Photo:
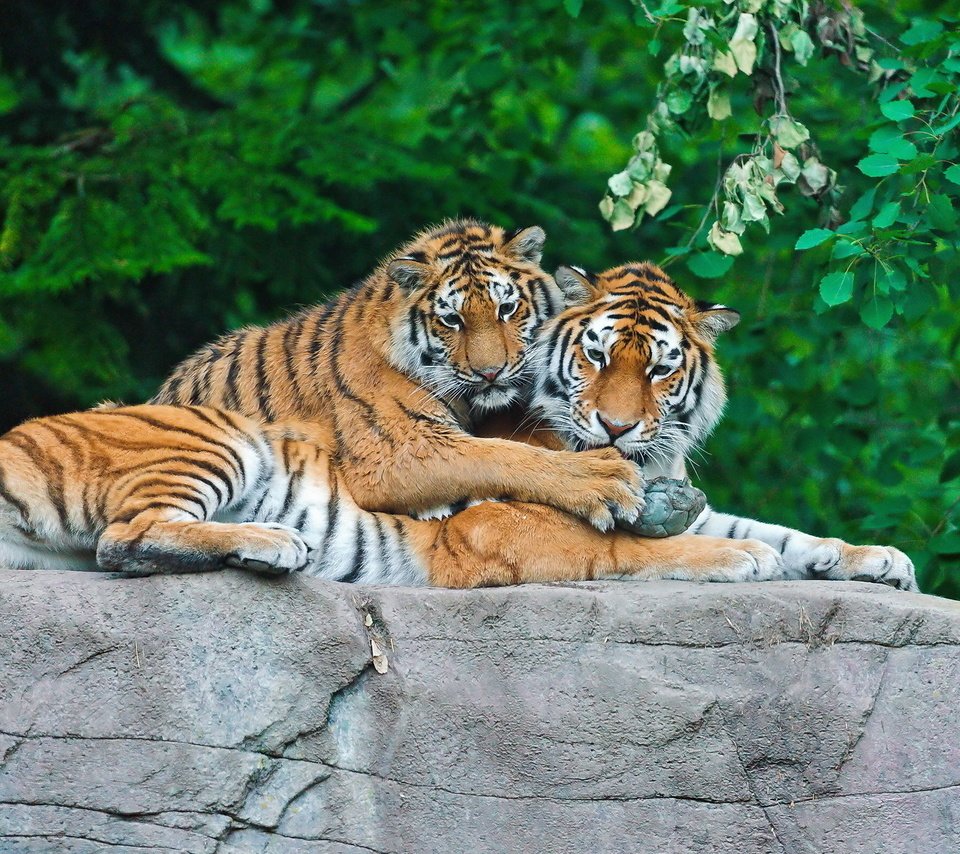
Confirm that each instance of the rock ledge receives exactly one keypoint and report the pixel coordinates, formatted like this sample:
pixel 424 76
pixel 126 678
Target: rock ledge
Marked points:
pixel 233 714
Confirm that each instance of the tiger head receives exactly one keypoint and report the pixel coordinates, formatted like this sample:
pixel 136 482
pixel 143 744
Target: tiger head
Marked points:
pixel 472 298
pixel 630 364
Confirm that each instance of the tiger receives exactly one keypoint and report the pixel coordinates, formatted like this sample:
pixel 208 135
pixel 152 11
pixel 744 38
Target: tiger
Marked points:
pixel 631 366
pixel 395 370
pixel 148 489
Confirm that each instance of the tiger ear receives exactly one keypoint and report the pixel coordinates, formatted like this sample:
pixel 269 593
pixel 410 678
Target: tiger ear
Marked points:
pixel 578 285
pixel 712 318
pixel 409 273
pixel 525 243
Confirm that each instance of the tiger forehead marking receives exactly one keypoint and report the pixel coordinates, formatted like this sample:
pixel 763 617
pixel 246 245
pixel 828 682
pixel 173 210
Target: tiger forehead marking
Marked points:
pixel 630 364
pixel 621 331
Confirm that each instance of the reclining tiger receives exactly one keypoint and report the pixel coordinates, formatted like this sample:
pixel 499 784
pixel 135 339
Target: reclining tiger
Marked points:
pixel 632 367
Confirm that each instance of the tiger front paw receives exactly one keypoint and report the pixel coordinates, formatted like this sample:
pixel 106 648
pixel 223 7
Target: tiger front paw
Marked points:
pixel 719 559
pixel 269 548
pixel 748 560
pixel 839 561
pixel 603 488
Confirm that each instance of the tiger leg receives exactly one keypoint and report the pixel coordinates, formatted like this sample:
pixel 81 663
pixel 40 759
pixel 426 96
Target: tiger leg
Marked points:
pixel 497 543
pixel 152 542
pixel 807 556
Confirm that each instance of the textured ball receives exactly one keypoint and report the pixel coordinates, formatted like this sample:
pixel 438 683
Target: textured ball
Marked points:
pixel 672 507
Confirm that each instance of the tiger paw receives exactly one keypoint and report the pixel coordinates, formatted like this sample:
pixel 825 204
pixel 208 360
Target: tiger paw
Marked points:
pixel 602 488
pixel 269 548
pixel 839 561
pixel 671 507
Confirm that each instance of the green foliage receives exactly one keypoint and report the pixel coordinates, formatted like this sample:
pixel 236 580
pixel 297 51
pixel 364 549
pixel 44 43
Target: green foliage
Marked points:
pixel 168 171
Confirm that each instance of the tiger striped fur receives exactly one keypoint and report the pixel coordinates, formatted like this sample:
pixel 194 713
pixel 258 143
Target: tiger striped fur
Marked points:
pixel 155 489
pixel 632 367
pixel 394 371
pixel 147 489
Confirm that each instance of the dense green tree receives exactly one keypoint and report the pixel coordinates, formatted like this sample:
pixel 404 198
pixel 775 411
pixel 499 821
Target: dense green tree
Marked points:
pixel 168 171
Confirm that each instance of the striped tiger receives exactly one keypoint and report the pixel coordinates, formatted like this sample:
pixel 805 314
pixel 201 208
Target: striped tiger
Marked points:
pixel 145 489
pixel 158 489
pixel 631 366
pixel 395 370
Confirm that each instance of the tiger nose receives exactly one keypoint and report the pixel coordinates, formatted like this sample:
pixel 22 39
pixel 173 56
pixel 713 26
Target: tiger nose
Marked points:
pixel 490 373
pixel 615 428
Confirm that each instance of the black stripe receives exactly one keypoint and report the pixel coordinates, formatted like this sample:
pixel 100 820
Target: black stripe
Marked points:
pixel 289 352
pixel 12 499
pixel 230 396
pixel 167 491
pixel 53 474
pixel 380 554
pixel 333 512
pixel 130 515
pixel 293 485
pixel 263 377
pixel 302 519
pixel 368 412
pixel 359 555
pixel 320 339
pixel 423 417
pixel 173 428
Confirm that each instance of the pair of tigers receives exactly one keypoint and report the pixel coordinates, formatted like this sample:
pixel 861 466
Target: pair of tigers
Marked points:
pixel 315 443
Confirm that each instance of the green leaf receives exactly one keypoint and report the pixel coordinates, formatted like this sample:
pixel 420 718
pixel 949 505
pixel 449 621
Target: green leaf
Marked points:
pixel 953 173
pixel 925 83
pixel 862 206
pixel 922 30
pixel 814 237
pixel 900 148
pixel 897 111
pixel 895 279
pixel 836 288
pixel 876 311
pixel 947 126
pixel 846 249
pixel 887 216
pixel 710 265
pixel 951 468
pixel 573 7
pixel 940 213
pixel 883 136
pixel 918 164
pixel 878 165
pixel 854 228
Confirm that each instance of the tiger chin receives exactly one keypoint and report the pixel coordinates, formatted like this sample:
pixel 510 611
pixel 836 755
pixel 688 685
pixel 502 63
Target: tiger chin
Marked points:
pixel 630 365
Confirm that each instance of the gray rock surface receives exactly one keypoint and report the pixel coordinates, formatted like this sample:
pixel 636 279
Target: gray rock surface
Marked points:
pixel 234 714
